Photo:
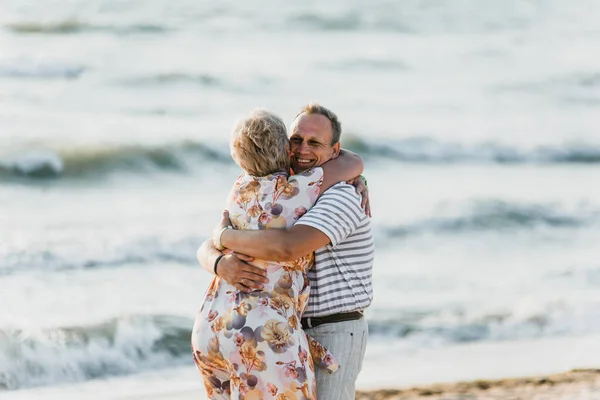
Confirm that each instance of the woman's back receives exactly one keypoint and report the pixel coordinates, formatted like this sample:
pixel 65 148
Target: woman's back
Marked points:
pixel 274 201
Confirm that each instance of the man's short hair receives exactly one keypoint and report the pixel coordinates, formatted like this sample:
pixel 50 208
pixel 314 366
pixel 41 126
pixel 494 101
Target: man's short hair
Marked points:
pixel 336 125
pixel 259 144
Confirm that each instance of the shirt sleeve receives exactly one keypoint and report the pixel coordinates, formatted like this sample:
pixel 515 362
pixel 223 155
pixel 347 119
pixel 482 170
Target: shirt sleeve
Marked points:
pixel 337 213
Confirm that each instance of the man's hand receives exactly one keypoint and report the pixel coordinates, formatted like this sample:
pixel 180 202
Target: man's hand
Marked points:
pixel 235 270
pixel 218 230
pixel 363 191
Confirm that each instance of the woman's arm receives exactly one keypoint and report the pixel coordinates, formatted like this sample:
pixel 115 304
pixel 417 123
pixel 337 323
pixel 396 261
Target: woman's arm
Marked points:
pixel 360 186
pixel 207 254
pixel 346 166
pixel 233 267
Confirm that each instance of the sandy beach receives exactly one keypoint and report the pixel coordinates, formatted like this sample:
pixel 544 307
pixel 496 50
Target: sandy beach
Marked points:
pixel 581 384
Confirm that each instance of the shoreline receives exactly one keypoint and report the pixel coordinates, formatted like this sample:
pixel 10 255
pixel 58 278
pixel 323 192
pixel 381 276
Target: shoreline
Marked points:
pixel 575 384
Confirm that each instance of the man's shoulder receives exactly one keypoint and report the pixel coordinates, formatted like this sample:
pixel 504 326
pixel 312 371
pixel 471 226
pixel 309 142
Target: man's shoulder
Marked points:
pixel 342 200
pixel 343 192
pixel 337 213
pixel 340 188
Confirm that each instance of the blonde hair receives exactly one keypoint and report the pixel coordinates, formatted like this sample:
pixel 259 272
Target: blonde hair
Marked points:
pixel 259 144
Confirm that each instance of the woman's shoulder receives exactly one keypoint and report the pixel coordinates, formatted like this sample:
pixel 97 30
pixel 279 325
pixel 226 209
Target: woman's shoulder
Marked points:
pixel 315 173
pixel 244 179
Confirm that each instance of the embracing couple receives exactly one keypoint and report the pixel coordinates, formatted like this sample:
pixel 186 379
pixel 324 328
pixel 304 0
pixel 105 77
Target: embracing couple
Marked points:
pixel 283 317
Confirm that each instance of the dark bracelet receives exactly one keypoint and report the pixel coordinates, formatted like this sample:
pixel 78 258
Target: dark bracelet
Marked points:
pixel 217 262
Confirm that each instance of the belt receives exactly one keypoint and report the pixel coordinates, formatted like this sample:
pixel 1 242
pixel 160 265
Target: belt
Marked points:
pixel 312 322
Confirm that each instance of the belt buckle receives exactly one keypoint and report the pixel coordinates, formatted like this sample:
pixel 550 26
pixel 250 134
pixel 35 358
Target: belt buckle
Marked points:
pixel 308 322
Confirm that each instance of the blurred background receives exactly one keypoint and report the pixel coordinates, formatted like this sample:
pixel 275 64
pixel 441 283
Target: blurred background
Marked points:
pixel 478 122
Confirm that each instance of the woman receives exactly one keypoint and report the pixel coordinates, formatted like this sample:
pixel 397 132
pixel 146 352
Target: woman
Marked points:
pixel 251 346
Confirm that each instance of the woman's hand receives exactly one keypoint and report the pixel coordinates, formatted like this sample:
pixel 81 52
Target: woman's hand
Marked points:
pixel 235 270
pixel 220 228
pixel 363 191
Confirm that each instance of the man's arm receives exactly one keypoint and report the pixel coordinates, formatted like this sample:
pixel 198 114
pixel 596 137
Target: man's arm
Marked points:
pixel 335 217
pixel 233 268
pixel 274 244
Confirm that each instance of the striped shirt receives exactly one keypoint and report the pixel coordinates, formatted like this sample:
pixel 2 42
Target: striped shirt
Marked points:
pixel 341 279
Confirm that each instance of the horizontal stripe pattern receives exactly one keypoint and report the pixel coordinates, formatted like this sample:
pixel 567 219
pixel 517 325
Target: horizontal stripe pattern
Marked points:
pixel 341 279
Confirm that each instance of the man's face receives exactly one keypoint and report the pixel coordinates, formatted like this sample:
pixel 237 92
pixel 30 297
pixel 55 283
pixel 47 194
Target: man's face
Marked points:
pixel 310 142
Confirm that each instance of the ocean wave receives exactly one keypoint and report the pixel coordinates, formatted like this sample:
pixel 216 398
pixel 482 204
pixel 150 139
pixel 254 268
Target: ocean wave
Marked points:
pixel 120 346
pixel 430 151
pixel 73 26
pixel 412 17
pixel 575 88
pixel 40 163
pixel 589 79
pixel 458 325
pixel 147 251
pixel 405 327
pixel 489 216
pixel 40 69
pixel 175 78
pixel 499 216
pixel 366 64
pixel 342 21
pixel 78 162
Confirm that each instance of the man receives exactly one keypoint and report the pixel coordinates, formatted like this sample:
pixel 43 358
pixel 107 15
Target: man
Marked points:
pixel 338 230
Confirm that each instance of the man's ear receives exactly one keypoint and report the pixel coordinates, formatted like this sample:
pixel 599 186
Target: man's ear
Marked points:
pixel 336 150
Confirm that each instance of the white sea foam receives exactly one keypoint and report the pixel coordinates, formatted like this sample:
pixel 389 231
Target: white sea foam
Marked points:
pixel 124 345
pixel 37 163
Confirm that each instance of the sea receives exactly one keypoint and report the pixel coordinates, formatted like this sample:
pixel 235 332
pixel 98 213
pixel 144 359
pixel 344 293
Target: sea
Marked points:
pixel 479 125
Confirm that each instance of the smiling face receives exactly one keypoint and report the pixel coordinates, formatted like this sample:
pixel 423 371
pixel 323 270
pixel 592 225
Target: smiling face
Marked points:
pixel 310 142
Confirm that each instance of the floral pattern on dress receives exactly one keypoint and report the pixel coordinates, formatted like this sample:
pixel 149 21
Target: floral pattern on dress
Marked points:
pixel 252 346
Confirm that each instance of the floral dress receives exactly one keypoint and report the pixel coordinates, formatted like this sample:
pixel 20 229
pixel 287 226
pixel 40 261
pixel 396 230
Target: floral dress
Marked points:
pixel 252 346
